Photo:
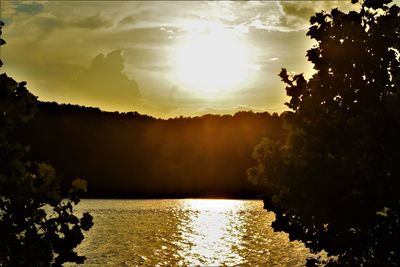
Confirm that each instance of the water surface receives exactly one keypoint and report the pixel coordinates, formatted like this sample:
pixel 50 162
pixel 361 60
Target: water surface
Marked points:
pixel 185 232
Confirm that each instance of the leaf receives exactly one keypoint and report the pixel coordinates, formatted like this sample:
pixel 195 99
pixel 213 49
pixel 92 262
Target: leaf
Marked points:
pixel 86 221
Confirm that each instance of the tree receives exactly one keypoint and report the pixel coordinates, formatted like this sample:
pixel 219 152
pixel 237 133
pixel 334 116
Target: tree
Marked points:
pixel 37 226
pixel 334 182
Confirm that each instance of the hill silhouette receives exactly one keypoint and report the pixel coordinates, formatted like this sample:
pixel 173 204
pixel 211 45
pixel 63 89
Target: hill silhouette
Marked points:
pixel 138 156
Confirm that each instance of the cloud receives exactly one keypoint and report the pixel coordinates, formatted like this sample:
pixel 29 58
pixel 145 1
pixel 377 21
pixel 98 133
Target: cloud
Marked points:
pixel 10 11
pixel 128 20
pixel 150 59
pixel 142 37
pixel 29 8
pixel 48 24
pixel 105 82
pixel 284 16
pixel 302 10
pixel 296 15
pixel 93 22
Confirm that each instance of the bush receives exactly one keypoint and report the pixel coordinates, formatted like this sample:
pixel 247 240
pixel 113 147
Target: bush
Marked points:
pixel 37 226
pixel 334 183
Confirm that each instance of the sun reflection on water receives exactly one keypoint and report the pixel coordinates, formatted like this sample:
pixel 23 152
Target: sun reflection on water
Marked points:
pixel 211 235
pixel 185 232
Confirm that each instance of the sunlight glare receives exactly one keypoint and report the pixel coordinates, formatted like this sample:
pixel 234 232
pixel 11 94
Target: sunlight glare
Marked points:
pixel 212 62
pixel 213 204
pixel 212 232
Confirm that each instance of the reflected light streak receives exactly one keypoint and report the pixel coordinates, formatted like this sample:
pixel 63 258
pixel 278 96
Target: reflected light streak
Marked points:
pixel 211 235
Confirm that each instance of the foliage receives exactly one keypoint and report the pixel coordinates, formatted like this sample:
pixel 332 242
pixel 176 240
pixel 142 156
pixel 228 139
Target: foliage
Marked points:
pixel 37 226
pixel 334 183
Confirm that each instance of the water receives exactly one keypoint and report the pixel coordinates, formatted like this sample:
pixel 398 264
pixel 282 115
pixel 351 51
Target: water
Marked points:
pixel 185 232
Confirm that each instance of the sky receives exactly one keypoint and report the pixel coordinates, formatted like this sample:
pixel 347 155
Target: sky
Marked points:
pixel 165 59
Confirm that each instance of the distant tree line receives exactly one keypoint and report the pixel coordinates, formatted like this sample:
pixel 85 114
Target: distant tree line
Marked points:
pixel 134 155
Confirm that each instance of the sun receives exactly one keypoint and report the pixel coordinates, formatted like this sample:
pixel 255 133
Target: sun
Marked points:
pixel 212 62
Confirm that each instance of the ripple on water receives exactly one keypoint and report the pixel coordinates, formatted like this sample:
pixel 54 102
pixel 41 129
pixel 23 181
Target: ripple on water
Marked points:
pixel 185 232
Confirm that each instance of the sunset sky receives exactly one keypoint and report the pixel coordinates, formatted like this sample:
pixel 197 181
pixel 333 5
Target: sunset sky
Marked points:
pixel 161 58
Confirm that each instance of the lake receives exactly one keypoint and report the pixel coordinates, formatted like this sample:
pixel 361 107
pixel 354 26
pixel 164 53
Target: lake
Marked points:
pixel 185 232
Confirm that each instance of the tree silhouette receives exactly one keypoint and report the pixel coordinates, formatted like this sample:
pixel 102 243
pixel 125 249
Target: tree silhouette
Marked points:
pixel 334 183
pixel 37 226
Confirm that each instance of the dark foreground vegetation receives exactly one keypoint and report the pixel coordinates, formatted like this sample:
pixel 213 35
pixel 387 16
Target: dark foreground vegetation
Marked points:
pixel 133 155
pixel 37 224
pixel 334 183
